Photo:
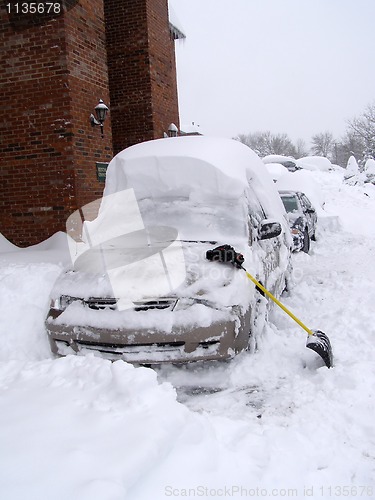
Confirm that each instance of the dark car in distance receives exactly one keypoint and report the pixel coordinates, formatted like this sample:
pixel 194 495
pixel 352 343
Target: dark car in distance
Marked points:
pixel 302 218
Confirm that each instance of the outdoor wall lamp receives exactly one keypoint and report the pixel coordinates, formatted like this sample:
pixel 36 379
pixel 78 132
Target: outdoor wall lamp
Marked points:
pixel 101 112
pixel 172 130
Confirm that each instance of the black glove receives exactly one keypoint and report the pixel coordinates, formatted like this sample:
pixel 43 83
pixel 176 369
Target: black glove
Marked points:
pixel 225 253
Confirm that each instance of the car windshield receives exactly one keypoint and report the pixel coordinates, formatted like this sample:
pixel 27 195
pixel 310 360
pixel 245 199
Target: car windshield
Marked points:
pixel 195 220
pixel 290 203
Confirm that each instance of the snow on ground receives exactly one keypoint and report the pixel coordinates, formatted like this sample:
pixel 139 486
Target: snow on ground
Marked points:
pixel 275 423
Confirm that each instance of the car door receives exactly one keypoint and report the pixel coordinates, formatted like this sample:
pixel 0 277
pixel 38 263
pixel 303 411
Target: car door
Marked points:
pixel 310 213
pixel 266 253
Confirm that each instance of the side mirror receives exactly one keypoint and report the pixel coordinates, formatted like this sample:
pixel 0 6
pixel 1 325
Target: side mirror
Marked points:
pixel 269 229
pixel 310 210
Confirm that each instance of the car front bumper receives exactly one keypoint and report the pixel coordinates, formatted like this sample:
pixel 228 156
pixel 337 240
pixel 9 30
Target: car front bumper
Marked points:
pixel 219 341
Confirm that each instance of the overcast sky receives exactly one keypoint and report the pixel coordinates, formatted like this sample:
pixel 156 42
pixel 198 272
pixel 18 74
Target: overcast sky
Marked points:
pixel 294 66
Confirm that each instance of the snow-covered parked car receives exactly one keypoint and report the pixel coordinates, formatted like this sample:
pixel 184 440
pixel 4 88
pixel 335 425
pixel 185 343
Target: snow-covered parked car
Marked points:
pixel 276 170
pixel 315 163
pixel 302 218
pixel 141 287
pixel 287 161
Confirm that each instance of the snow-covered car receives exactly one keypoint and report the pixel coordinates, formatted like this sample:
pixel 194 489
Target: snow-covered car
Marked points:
pixel 141 287
pixel 302 218
pixel 287 161
pixel 276 170
pixel 315 163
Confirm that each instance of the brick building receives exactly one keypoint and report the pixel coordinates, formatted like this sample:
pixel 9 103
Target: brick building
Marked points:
pixel 54 69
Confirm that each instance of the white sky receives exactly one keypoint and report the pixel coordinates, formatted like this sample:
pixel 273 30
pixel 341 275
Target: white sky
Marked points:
pixel 294 66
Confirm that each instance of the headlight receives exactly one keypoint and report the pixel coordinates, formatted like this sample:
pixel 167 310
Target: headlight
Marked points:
pixel 61 303
pixel 185 303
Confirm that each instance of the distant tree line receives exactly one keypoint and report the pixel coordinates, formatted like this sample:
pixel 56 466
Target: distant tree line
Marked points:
pixel 358 141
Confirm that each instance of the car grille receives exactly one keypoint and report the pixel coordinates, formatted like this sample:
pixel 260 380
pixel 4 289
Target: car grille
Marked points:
pixel 155 304
pixel 96 303
pixel 110 303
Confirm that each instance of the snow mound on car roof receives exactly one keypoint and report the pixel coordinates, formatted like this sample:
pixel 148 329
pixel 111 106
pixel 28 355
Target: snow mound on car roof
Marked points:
pixel 276 170
pixel 315 163
pixel 277 159
pixel 304 182
pixel 192 166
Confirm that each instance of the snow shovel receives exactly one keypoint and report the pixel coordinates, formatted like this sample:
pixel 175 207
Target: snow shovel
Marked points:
pixel 317 340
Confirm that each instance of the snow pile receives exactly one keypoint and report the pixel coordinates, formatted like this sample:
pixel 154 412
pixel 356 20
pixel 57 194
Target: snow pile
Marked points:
pixel 55 249
pixel 352 167
pixel 6 245
pixel 271 424
pixel 24 301
pixel 353 174
pixel 370 166
pixel 369 170
pixel 85 429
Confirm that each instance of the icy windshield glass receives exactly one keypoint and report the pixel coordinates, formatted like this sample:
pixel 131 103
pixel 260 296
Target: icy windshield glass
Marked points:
pixel 290 203
pixel 197 220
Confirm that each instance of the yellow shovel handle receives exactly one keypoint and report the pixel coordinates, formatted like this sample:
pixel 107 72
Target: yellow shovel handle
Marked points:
pixel 272 297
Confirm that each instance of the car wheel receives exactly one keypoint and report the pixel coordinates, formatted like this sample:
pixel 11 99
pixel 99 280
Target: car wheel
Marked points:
pixel 306 242
pixel 313 237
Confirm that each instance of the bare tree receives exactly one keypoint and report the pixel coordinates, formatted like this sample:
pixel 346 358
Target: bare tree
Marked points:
pixel 265 143
pixel 350 145
pixel 322 144
pixel 255 141
pixel 301 149
pixel 363 127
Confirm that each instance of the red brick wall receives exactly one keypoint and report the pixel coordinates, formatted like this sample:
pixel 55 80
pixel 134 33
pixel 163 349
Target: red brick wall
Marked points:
pixel 162 68
pixel 52 75
pixel 88 82
pixel 50 82
pixel 141 70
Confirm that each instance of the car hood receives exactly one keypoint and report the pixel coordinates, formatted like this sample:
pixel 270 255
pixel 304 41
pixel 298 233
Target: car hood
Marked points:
pixel 142 268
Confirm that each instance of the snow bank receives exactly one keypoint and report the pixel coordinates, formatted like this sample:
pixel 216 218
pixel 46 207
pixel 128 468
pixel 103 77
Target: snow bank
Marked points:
pixel 54 249
pixel 370 166
pixel 85 429
pixel 275 423
pixel 24 302
pixel 6 245
pixel 27 276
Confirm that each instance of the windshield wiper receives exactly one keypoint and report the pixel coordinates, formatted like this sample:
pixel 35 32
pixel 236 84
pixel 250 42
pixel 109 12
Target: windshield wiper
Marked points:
pixel 210 242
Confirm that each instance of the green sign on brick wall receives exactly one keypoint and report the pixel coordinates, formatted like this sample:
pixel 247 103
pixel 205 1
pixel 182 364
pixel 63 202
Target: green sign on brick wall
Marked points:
pixel 101 171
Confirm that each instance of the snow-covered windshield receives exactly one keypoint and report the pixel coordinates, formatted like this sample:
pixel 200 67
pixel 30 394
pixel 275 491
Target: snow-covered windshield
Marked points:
pixel 290 203
pixel 197 220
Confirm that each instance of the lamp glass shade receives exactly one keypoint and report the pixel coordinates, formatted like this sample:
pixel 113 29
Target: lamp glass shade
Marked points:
pixel 101 111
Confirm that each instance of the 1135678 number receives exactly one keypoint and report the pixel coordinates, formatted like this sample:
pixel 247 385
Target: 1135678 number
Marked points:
pixel 34 8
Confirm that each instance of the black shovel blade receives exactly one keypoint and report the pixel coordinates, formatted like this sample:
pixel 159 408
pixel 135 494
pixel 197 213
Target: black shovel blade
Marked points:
pixel 319 342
